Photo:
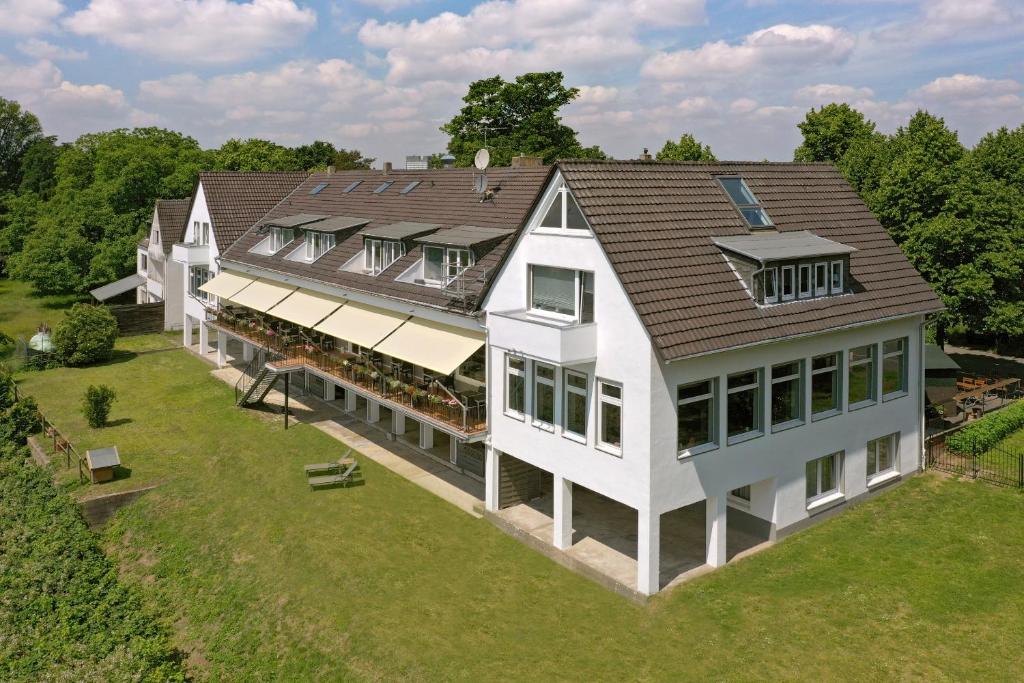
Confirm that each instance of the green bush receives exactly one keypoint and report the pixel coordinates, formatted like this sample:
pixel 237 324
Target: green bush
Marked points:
pixel 86 335
pixel 20 422
pixel 6 390
pixel 986 432
pixel 96 404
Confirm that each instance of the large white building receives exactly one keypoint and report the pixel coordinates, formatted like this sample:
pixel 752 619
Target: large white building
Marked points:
pixel 740 339
pixel 163 274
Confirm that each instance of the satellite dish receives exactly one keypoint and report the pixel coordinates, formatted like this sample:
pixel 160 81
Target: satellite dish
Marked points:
pixel 480 183
pixel 482 159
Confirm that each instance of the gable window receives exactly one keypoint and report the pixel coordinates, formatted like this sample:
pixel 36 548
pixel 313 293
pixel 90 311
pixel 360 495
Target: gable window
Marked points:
pixel 771 285
pixel 805 287
pixel 820 279
pixel 787 394
pixel 609 416
pixel 575 401
pixel 441 265
pixel 743 406
pixel 564 213
pixel 824 385
pixel 156 237
pixel 824 477
pixel 894 368
pixel 862 376
pixel 543 394
pixel 143 262
pixel 837 277
pixel 883 455
pixel 279 238
pixel 788 283
pixel 695 413
pixel 318 244
pixel 745 202
pixel 562 291
pixel 379 254
pixel 515 385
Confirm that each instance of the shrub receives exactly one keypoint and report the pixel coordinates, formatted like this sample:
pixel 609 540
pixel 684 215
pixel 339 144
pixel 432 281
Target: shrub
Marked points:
pixel 6 390
pixel 96 404
pixel 20 422
pixel 986 432
pixel 85 335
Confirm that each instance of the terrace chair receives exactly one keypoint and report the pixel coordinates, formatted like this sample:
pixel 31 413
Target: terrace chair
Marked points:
pixel 349 477
pixel 330 467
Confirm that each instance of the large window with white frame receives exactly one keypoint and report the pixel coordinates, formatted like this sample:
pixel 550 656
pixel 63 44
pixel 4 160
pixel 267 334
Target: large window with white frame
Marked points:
pixel 771 285
pixel 441 265
pixel 574 404
pixel 318 244
pixel 805 286
pixel 787 394
pixel 824 477
pixel 820 279
pixel 515 385
pixel 609 416
pixel 743 406
pixel 280 238
pixel 543 394
pixel 202 233
pixel 379 254
pixel 695 416
pixel 563 292
pixel 862 376
pixel 825 385
pixel 197 277
pixel 894 368
pixel 564 213
pixel 836 272
pixel 788 283
pixel 883 455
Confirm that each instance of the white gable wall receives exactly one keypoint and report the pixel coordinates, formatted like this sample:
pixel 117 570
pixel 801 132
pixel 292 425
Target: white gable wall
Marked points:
pixel 200 212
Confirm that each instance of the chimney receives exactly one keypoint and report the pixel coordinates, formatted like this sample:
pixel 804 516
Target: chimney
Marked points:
pixel 646 156
pixel 387 167
pixel 331 169
pixel 523 161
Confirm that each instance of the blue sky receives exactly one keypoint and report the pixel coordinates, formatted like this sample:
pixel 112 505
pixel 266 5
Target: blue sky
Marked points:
pixel 382 75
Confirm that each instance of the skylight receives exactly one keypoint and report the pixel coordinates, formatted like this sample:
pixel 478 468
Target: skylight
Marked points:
pixel 318 189
pixel 410 187
pixel 745 201
pixel 383 186
pixel 352 186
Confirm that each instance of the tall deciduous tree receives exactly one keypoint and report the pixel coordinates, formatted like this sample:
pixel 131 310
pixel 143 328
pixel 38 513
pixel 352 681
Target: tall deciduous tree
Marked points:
pixel 19 128
pixel 254 154
pixel 687 149
pixel 828 132
pixel 351 160
pixel 517 117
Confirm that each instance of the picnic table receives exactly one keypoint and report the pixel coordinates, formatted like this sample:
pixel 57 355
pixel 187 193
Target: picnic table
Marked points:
pixel 980 391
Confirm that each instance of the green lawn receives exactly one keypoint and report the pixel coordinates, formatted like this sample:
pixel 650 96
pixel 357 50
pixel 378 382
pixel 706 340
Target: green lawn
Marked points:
pixel 263 580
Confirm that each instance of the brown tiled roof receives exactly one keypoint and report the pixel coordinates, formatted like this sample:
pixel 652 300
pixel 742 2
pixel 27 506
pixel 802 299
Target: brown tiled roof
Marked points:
pixel 172 215
pixel 236 200
pixel 444 197
pixel 656 222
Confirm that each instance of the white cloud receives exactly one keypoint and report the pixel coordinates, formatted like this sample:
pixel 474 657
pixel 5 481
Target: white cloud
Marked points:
pixel 388 5
pixel 964 86
pixel 961 18
pixel 824 93
pixel 194 31
pixel 596 94
pixel 779 47
pixel 40 49
pixel 29 16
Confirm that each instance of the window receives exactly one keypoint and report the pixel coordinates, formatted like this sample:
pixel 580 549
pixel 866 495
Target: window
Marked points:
pixel 205 234
pixel 587 298
pixel 379 254
pixel 824 477
pixel 352 186
pixel 318 189
pixel 410 187
pixel 318 244
pixel 743 405
pixel 553 290
pixel 515 389
pixel 787 393
pixel 741 496
pixel 824 384
pixel 862 375
pixel 197 277
pixel 441 265
pixel 564 213
pixel 143 262
pixel 837 277
pixel 609 415
pixel 894 367
pixel 771 285
pixel 279 237
pixel 883 455
pixel 575 403
pixel 805 280
pixel 156 237
pixel 695 407
pixel 383 186
pixel 820 279
pixel 788 283
pixel 201 233
pixel 433 264
pixel 543 394
pixel 746 202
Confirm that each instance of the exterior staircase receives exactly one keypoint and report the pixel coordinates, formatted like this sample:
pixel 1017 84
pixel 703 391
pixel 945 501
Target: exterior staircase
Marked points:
pixel 256 381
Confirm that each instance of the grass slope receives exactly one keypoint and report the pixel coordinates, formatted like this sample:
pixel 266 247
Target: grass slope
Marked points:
pixel 265 580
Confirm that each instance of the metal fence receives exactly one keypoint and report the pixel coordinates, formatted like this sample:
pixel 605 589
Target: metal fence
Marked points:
pixel 997 465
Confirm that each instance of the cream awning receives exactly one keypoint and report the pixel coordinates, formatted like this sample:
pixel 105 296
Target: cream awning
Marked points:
pixel 435 346
pixel 305 307
pixel 225 283
pixel 361 324
pixel 261 295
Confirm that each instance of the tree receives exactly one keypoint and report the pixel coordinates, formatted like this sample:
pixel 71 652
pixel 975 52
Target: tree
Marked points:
pixel 96 404
pixel 39 167
pixel 828 132
pixel 1000 155
pixel 254 154
pixel 86 335
pixel 687 149
pixel 351 160
pixel 18 130
pixel 519 117
pixel 315 156
pixel 55 258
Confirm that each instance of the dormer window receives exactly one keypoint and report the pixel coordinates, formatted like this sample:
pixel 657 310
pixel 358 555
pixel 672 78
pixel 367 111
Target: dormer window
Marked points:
pixel 564 213
pixel 745 201
pixel 441 265
pixel 380 254
pixel 280 238
pixel 318 244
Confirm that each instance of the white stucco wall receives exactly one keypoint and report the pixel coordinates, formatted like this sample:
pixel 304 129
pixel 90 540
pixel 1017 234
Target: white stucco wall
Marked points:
pixel 201 213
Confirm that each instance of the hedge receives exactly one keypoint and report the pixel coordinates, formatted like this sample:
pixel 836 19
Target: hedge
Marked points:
pixel 986 432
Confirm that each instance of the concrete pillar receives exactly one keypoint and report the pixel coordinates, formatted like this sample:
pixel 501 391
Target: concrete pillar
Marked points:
pixel 372 412
pixel 426 436
pixel 563 513
pixel 247 351
pixel 648 552
pixel 186 332
pixel 204 338
pixel 351 401
pixel 453 450
pixel 714 523
pixel 222 349
pixel 397 423
pixel 329 389
pixel 492 477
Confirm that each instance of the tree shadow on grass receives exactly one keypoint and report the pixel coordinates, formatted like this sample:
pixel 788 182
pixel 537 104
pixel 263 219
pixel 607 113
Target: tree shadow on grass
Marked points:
pixel 117 356
pixel 118 422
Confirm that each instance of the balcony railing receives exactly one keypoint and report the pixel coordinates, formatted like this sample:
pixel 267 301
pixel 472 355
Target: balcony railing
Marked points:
pixel 390 382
